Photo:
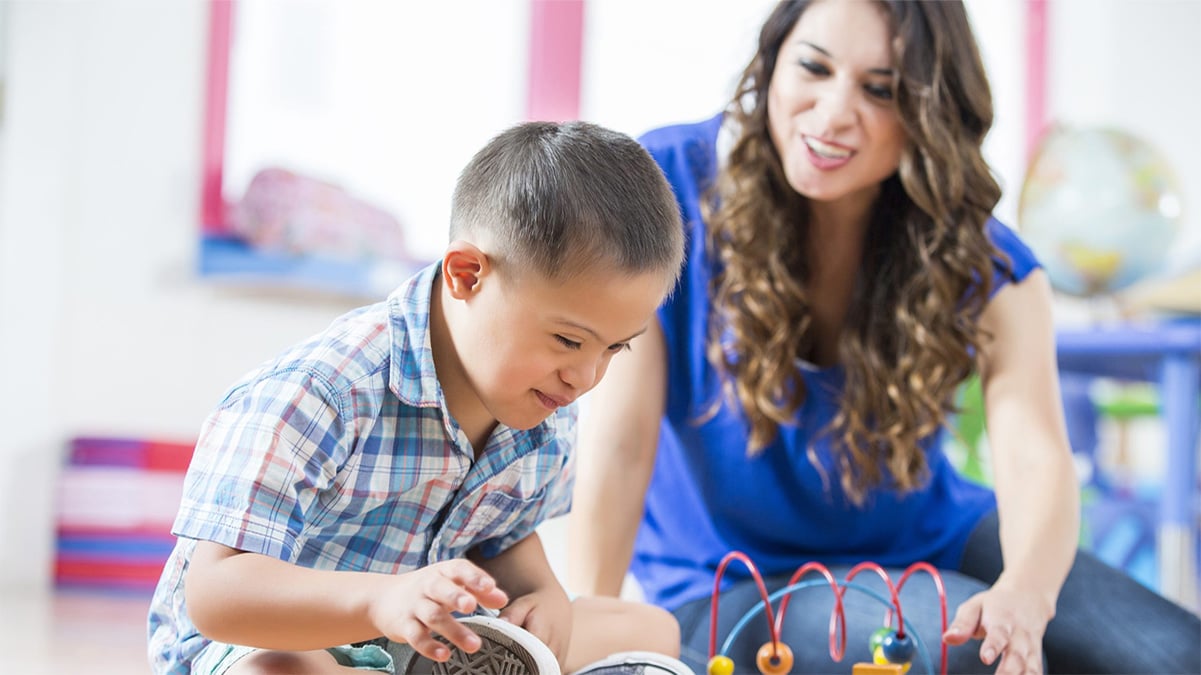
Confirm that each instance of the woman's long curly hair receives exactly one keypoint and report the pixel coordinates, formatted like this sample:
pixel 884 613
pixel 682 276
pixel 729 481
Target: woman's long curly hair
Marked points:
pixel 912 328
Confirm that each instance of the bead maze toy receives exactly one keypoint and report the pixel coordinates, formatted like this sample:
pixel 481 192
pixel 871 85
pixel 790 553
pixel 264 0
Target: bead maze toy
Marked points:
pixel 893 649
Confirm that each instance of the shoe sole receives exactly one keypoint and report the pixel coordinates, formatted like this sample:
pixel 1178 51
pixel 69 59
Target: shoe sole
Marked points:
pixel 507 650
pixel 652 664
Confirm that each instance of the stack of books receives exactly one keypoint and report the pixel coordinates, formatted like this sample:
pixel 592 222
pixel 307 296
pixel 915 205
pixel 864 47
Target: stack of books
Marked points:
pixel 116 500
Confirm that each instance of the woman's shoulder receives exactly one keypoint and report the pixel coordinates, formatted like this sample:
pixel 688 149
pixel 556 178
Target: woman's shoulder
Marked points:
pixel 687 154
pixel 1014 259
pixel 681 135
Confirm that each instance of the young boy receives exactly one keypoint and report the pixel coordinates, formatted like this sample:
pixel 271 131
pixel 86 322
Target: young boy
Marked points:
pixel 386 476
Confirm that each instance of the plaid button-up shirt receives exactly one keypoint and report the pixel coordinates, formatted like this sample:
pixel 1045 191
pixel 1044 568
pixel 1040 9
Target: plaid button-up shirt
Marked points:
pixel 341 455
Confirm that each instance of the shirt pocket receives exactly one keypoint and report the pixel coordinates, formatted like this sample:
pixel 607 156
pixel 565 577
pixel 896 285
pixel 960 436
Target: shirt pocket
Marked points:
pixel 495 515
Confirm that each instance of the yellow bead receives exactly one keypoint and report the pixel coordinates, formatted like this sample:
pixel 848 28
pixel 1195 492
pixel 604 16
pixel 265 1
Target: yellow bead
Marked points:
pixel 721 665
pixel 880 660
pixel 878 657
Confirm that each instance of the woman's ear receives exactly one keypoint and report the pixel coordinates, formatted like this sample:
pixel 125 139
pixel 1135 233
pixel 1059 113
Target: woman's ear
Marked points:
pixel 464 267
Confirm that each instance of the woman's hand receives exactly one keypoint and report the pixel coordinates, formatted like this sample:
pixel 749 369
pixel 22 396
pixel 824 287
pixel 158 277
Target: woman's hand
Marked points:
pixel 546 614
pixel 421 602
pixel 1011 621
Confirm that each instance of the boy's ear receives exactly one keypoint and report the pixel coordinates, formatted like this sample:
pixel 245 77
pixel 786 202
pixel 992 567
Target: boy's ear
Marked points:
pixel 464 266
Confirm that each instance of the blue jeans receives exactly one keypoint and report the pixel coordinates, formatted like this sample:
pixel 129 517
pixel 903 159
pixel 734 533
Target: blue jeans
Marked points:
pixel 1105 621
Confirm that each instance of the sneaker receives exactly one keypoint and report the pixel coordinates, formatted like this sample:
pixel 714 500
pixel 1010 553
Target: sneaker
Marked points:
pixel 636 663
pixel 507 649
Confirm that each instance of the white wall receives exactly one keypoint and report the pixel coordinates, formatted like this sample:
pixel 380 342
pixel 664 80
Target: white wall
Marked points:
pixel 347 68
pixel 104 328
pixel 1132 65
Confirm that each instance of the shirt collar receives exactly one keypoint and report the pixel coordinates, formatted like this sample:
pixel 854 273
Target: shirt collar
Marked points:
pixel 411 376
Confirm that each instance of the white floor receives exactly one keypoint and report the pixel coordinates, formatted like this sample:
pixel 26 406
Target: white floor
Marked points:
pixel 104 633
pixel 73 632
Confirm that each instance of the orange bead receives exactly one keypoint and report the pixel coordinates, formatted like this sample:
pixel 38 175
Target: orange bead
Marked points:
pixel 721 665
pixel 774 660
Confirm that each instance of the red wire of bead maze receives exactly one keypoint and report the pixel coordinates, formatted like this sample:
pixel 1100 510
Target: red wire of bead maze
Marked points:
pixel 838 637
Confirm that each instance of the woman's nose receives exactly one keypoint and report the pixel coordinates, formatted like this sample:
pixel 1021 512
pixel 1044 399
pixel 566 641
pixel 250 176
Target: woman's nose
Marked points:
pixel 836 104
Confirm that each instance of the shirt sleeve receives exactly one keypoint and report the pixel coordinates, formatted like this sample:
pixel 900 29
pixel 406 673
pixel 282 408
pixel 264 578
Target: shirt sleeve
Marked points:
pixel 1014 260
pixel 262 458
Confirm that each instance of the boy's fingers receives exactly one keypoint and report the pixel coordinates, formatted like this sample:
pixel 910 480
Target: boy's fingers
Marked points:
pixel 419 638
pixel 441 622
pixel 493 598
pixel 477 582
pixel 430 648
pixel 516 614
pixel 451 596
pixel 467 574
pixel 533 625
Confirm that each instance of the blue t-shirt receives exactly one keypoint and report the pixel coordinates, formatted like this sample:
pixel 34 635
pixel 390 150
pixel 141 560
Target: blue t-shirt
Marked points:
pixel 707 497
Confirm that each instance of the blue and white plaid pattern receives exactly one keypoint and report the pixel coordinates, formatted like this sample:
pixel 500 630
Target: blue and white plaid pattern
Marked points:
pixel 340 454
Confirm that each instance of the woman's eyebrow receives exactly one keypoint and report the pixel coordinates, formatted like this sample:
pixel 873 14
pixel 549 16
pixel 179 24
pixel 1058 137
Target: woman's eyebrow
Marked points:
pixel 886 72
pixel 810 44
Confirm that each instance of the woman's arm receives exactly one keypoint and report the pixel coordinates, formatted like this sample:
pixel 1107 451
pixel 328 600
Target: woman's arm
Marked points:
pixel 1038 495
pixel 619 435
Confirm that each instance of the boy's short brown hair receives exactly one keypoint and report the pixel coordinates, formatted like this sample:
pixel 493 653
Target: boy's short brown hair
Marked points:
pixel 562 198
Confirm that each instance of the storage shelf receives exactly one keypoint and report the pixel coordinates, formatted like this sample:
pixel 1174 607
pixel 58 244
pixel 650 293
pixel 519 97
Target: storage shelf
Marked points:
pixel 230 259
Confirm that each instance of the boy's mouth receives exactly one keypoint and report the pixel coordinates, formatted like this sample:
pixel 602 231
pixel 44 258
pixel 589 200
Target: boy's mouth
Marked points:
pixel 551 402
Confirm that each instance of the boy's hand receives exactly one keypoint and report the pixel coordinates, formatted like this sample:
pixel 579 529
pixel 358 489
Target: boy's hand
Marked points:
pixel 547 615
pixel 419 603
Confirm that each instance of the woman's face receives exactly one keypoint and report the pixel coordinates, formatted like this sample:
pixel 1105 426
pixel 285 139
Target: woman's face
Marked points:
pixel 829 104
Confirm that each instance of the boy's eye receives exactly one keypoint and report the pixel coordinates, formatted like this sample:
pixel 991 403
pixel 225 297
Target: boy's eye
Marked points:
pixel 570 344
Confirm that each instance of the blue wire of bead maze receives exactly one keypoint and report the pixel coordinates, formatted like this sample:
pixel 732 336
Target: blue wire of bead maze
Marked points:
pixel 758 608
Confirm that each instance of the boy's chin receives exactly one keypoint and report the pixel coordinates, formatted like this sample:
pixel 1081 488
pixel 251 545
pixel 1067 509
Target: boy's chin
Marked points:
pixel 527 421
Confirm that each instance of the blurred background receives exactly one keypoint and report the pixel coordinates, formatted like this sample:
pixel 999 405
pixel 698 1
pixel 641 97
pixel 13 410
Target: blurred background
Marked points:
pixel 189 186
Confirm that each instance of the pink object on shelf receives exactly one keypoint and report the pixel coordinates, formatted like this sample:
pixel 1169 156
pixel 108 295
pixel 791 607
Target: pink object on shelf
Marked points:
pixel 287 212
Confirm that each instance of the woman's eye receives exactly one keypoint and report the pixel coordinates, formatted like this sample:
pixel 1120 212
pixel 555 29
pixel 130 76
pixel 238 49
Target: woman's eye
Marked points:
pixel 620 347
pixel 882 92
pixel 570 344
pixel 815 68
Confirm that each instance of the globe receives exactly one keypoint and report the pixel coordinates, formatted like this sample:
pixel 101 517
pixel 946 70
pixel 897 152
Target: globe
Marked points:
pixel 1100 208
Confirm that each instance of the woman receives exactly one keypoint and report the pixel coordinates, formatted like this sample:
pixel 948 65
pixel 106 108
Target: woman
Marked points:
pixel 844 278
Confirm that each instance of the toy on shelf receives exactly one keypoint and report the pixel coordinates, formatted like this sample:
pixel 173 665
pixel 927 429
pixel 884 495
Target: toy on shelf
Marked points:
pixel 893 649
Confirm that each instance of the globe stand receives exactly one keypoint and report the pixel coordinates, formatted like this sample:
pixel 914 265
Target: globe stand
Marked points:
pixel 1096 309
pixel 1107 309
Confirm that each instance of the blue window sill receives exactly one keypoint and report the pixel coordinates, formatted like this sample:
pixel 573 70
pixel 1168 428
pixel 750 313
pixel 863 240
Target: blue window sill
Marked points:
pixel 230 259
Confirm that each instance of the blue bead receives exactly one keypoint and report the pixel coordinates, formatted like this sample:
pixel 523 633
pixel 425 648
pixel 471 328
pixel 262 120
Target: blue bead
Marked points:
pixel 898 649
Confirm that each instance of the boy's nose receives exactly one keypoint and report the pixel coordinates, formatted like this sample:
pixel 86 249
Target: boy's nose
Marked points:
pixel 582 376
